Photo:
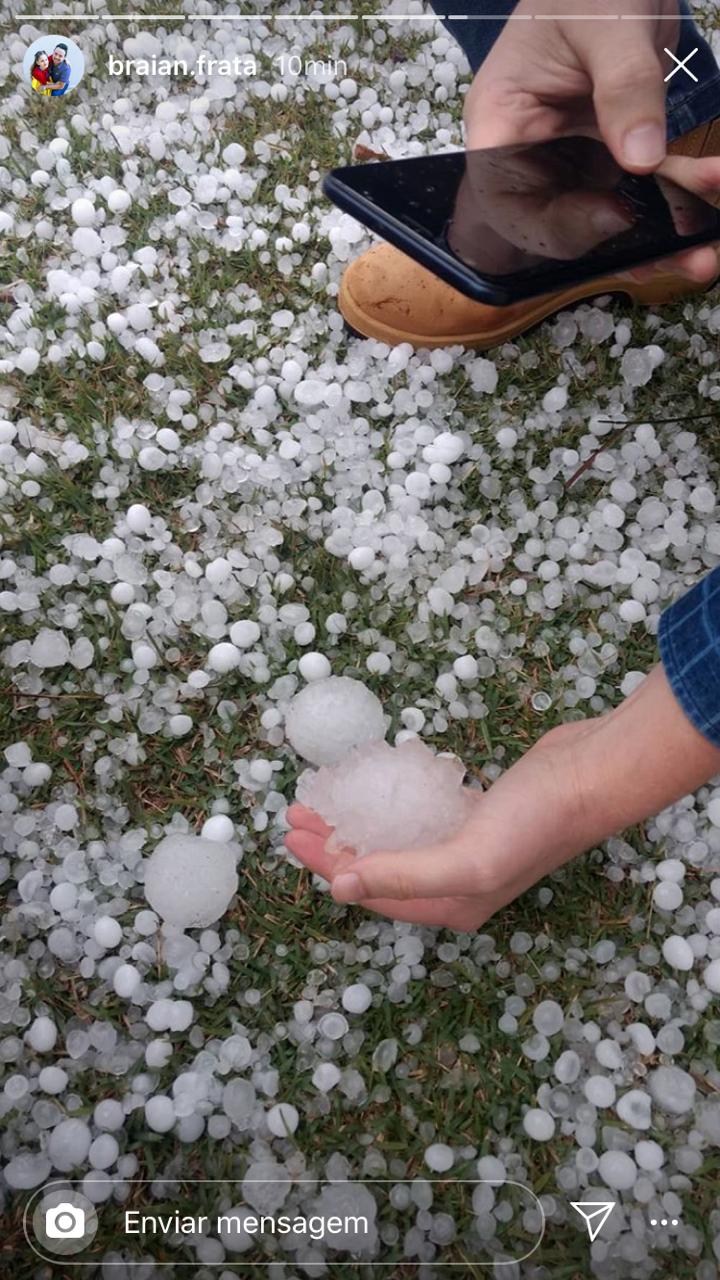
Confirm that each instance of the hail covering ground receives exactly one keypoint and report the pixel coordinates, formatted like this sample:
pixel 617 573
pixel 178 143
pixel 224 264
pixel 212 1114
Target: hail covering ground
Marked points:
pixel 210 496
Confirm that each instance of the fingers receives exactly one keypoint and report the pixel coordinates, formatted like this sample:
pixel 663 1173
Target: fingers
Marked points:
pixel 701 177
pixel 500 231
pixel 444 913
pixel 494 113
pixel 439 912
pixel 562 226
pixel 687 185
pixel 442 870
pixel 308 820
pixel 691 215
pixel 628 91
pixel 699 266
pixel 421 873
pixel 312 850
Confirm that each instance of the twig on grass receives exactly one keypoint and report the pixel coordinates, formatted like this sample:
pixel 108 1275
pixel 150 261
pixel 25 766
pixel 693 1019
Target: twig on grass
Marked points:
pixel 637 422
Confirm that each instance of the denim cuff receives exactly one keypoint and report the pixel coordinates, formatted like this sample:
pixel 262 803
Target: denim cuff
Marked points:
pixel 699 106
pixel 689 639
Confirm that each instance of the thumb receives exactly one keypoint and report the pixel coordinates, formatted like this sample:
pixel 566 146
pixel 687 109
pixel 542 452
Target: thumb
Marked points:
pixel 628 93
pixel 439 870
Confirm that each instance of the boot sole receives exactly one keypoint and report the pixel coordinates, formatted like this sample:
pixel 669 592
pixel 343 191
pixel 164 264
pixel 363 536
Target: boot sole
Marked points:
pixel 656 292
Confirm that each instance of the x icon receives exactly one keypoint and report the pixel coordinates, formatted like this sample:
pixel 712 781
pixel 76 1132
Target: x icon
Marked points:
pixel 681 66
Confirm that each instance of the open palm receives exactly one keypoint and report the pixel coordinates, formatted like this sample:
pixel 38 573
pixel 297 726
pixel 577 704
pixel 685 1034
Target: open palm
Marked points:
pixel 518 832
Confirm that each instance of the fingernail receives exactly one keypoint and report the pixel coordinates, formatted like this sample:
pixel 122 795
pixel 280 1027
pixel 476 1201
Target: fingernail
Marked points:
pixel 645 145
pixel 609 222
pixel 347 888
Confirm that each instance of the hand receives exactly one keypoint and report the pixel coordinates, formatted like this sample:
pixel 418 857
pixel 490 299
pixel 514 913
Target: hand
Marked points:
pixel 562 76
pixel 579 784
pixel 517 834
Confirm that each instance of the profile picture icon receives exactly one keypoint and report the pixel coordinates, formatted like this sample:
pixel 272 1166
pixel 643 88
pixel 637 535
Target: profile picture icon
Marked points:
pixel 53 66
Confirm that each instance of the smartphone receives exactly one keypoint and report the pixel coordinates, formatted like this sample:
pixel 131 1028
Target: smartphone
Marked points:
pixel 510 223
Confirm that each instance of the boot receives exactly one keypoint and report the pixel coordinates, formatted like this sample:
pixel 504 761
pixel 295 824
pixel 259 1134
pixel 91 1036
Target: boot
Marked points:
pixel 388 296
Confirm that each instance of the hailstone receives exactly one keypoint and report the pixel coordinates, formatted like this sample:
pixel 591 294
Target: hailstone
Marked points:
pixel 329 717
pixel 383 797
pixel 191 882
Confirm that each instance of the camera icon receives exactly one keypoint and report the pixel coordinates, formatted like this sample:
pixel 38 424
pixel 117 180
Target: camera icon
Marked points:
pixel 65 1222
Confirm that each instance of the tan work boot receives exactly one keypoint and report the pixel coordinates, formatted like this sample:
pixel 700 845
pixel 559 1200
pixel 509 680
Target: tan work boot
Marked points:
pixel 388 296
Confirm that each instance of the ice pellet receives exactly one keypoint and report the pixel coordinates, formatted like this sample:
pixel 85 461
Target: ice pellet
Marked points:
pixel 42 1035
pixel 126 980
pixel 538 1125
pixel 223 657
pixel 678 953
pixel 329 717
pixel 599 1090
pixel 191 882
pixel 672 1089
pixel 548 1018
pixel 383 797
pixel 107 932
pixel 160 1113
pixel 219 828
pixel 314 666
pixel 356 998
pixel 667 896
pixel 635 1108
pixel 69 1144
pixel 282 1119
pixel 439 1157
pixel 711 976
pixel 617 1170
pixel 325 1076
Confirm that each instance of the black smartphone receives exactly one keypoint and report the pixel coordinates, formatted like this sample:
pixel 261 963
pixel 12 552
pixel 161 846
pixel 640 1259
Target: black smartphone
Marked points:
pixel 510 223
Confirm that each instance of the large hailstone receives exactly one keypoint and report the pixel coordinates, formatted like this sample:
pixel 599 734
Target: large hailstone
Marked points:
pixel 383 797
pixel 191 882
pixel 330 717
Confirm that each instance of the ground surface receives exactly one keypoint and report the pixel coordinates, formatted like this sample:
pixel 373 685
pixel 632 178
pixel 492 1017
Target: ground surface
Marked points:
pixel 236 260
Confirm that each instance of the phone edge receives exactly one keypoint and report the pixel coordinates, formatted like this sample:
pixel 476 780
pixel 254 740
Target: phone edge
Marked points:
pixel 430 257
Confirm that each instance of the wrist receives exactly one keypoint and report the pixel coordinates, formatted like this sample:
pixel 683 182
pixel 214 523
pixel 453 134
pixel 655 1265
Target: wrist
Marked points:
pixel 572 801
pixel 637 759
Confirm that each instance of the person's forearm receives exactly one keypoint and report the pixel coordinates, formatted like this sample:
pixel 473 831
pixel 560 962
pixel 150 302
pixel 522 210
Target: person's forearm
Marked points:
pixel 638 759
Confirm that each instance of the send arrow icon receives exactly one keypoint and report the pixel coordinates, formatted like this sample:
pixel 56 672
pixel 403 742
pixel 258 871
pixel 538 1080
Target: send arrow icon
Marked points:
pixel 595 1213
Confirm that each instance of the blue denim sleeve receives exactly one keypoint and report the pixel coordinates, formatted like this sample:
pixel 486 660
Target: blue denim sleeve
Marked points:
pixel 689 639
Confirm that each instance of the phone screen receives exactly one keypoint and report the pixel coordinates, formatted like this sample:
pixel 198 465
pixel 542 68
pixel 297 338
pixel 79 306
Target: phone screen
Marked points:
pixel 530 218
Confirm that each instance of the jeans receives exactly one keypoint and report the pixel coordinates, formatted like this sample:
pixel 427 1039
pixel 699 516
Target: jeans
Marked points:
pixel 688 104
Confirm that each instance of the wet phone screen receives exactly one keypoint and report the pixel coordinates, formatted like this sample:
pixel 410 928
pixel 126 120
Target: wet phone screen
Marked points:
pixel 512 222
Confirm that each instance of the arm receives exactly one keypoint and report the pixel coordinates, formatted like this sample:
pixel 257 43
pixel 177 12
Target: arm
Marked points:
pixel 63 72
pixel 578 785
pixel 641 757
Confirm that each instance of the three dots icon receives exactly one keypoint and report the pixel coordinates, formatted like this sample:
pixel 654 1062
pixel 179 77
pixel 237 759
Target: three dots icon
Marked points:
pixel 664 1222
